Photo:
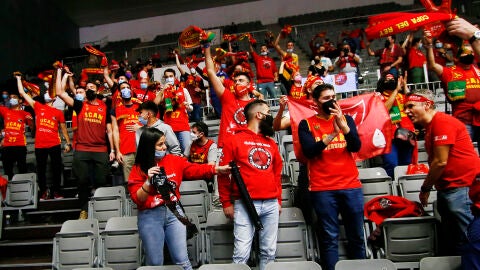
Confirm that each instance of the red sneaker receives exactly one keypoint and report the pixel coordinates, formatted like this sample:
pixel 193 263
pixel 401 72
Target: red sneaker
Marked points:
pixel 57 195
pixel 46 195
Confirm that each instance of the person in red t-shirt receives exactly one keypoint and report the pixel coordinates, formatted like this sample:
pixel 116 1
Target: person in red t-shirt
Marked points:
pixel 14 143
pixel 391 56
pixel 267 73
pixel 157 223
pixel 453 165
pixel 328 140
pixel 257 155
pixel 48 122
pixel 416 59
pixel 124 122
pixel 91 147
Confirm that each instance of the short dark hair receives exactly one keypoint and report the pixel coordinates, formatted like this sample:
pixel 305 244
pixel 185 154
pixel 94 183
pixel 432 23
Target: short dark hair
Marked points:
pixel 201 127
pixel 170 70
pixel 148 106
pixel 250 106
pixel 244 74
pixel 125 82
pixel 145 156
pixel 319 89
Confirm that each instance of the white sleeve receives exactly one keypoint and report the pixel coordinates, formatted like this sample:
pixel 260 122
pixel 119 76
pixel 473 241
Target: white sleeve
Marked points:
pixel 188 99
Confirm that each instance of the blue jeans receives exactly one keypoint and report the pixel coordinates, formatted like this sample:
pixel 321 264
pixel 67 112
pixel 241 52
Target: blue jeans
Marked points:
pixel 196 113
pixel 244 231
pixel 454 208
pixel 471 256
pixel 348 203
pixel 158 225
pixel 268 87
pixel 184 139
pixel 474 133
pixel 216 104
pixel 401 154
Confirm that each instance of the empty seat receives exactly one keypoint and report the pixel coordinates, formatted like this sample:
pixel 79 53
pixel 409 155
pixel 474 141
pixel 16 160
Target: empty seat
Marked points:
pixel 293 167
pixel 230 266
pixel 300 265
pixel 441 263
pixel 287 196
pixel 131 208
pixel 195 245
pixel 369 264
pixel 76 244
pixel 163 267
pixel 293 242
pixel 408 240
pixel 195 198
pixel 219 238
pixel 286 145
pixel 120 246
pixel 409 187
pixel 376 174
pixel 374 189
pixel 22 192
pixel 107 202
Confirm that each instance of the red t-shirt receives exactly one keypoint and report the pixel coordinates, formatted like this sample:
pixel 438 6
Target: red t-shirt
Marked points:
pixel 74 129
pixel 14 126
pixel 260 165
pixel 47 123
pixel 416 58
pixel 266 68
pixel 199 153
pixel 177 119
pixel 177 169
pixel 463 108
pixel 388 56
pixel 335 168
pixel 463 162
pixel 439 59
pixel 191 83
pixel 232 115
pixel 297 93
pixel 92 126
pixel 127 115
pixel 144 95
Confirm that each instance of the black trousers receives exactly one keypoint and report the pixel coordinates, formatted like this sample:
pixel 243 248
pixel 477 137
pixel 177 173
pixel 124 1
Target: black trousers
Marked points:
pixel 12 155
pixel 41 155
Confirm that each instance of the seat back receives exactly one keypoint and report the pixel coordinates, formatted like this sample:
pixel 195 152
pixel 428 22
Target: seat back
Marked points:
pixel 368 264
pixel 300 265
pixel 410 239
pixel 195 198
pixel 226 266
pixel 75 245
pixel 293 167
pixel 409 188
pixel 120 246
pixel 219 238
pixel 163 267
pixel 195 244
pixel 107 202
pixel 441 263
pixel 376 174
pixel 374 189
pixel 287 196
pixel 22 192
pixel 292 242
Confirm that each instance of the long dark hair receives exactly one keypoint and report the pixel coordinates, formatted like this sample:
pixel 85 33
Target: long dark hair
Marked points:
pixel 145 157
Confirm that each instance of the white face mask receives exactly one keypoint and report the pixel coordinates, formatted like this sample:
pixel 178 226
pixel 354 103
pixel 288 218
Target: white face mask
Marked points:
pixel 193 136
pixel 170 80
pixel 193 71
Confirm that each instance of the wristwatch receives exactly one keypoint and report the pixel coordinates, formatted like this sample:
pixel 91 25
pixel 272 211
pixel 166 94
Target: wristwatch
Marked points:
pixel 476 36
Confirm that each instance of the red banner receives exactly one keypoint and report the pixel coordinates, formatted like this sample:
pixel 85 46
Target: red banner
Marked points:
pixel 371 118
pixel 407 22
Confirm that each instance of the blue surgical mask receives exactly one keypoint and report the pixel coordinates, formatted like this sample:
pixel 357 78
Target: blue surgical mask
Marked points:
pixel 143 85
pixel 160 154
pixel 142 120
pixel 4 96
pixel 438 45
pixel 13 102
pixel 420 45
pixel 79 97
pixel 170 80
pixel 126 93
pixel 223 66
pixel 121 81
pixel 289 50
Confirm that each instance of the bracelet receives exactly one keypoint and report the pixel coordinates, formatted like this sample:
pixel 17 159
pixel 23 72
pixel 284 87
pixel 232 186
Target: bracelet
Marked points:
pixel 145 190
pixel 112 151
pixel 425 189
pixel 428 46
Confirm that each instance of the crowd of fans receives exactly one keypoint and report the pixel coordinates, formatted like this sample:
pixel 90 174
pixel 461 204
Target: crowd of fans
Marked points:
pixel 144 125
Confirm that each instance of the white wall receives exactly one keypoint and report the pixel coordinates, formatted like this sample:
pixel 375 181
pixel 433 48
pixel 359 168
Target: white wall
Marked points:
pixel 267 11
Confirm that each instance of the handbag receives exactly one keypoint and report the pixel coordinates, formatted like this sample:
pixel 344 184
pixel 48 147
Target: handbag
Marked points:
pixel 406 135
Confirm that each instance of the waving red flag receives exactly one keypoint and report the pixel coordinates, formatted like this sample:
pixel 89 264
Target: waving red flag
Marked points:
pixel 369 113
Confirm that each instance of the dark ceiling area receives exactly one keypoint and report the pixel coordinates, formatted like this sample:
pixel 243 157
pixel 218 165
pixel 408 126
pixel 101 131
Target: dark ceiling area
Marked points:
pixel 95 12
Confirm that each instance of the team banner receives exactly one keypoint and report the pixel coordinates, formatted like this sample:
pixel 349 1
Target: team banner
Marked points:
pixel 369 113
pixel 96 52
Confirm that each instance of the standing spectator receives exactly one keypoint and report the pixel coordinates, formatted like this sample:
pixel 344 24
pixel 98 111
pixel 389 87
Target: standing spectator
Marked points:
pixel 256 153
pixel 145 91
pixel 177 102
pixel 448 147
pixel 147 117
pixel 48 122
pixel 416 60
pixel 267 73
pixel 393 95
pixel 146 70
pixel 124 121
pixel 461 84
pixel 203 150
pixel 390 57
pixel 328 140
pixel 14 141
pixel 348 60
pixel 91 146
pixel 442 57
pixel 5 99
pixel 157 224
pixel 296 88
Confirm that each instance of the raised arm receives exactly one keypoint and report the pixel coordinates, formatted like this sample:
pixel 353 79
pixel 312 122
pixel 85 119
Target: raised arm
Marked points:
pixel 277 46
pixel 107 78
pixel 464 30
pixel 215 82
pixel 60 86
pixel 427 41
pixel 21 91
pixel 179 66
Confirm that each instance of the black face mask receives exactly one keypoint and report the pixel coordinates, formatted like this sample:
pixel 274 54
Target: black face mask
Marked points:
pixel 389 85
pixel 266 126
pixel 466 59
pixel 91 95
pixel 387 43
pixel 327 105
pixel 316 61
